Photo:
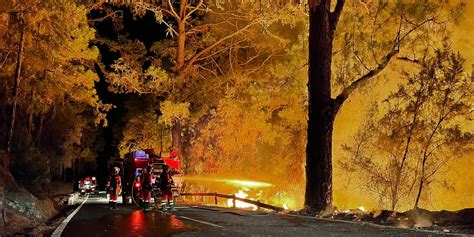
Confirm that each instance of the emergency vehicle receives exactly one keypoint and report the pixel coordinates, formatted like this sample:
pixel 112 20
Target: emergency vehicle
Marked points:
pixel 134 163
pixel 87 185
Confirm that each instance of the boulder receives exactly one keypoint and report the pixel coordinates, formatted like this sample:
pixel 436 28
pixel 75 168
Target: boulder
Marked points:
pixel 421 218
pixel 19 209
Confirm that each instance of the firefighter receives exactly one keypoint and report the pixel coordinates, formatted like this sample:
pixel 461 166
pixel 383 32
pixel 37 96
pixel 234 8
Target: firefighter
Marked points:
pixel 173 162
pixel 166 184
pixel 114 185
pixel 146 187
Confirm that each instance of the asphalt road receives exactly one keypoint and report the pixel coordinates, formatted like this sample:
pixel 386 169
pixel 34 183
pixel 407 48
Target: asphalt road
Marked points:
pixel 95 219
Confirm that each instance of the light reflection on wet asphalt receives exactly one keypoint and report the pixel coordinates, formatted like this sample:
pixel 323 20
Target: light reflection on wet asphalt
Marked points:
pixel 98 220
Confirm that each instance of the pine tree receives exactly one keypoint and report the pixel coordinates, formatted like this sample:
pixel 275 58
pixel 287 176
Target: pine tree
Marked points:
pixel 51 75
pixel 415 133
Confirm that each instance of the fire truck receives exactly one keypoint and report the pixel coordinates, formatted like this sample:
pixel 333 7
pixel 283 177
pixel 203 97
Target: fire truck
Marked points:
pixel 134 163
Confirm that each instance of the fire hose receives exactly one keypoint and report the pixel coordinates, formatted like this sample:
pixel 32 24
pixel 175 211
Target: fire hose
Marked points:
pixel 131 193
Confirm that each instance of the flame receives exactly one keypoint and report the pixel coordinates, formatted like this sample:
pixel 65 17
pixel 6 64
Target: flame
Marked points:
pixel 239 204
pixel 361 208
pixel 285 206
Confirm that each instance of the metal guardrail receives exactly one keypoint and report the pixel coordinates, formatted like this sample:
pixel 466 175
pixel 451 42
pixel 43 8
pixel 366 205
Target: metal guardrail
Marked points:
pixel 235 198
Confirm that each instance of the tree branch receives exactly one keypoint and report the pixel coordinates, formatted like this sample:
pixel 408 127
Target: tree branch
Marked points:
pixel 158 11
pixel 208 70
pixel 395 49
pixel 215 44
pixel 416 61
pixel 110 15
pixel 415 28
pixel 6 58
pixel 334 17
pixel 170 13
pixel 261 65
pixel 194 9
pixel 173 12
pixel 354 85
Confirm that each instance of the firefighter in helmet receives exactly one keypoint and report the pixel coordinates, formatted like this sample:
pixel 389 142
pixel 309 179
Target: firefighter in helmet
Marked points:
pixel 114 186
pixel 146 187
pixel 165 184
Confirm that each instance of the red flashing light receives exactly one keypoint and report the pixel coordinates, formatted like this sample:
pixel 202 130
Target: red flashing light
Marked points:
pixel 136 159
pixel 137 185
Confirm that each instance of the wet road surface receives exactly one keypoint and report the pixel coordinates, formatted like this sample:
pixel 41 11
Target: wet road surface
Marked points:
pixel 98 220
pixel 95 219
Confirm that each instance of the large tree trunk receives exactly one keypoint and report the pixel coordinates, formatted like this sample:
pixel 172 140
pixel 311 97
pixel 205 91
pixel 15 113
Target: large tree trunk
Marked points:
pixel 321 109
pixel 318 196
pixel 4 115
pixel 180 56
pixel 176 130
pixel 16 87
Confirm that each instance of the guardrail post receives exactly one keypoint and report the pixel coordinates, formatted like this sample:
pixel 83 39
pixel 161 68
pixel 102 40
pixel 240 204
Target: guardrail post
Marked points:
pixel 70 200
pixel 215 198
pixel 233 200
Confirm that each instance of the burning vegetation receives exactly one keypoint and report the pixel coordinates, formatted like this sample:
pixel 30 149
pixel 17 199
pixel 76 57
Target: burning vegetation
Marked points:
pixel 246 189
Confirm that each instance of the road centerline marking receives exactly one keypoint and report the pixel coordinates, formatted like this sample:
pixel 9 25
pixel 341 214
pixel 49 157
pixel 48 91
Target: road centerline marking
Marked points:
pixel 62 226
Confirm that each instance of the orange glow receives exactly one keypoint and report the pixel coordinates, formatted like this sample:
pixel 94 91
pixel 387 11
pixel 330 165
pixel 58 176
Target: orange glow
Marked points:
pixel 137 220
pixel 239 204
pixel 233 182
pixel 175 223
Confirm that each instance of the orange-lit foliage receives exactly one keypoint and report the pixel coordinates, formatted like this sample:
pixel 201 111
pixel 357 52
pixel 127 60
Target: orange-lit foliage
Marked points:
pixel 208 45
pixel 243 106
pixel 246 95
pixel 400 152
pixel 257 130
pixel 57 102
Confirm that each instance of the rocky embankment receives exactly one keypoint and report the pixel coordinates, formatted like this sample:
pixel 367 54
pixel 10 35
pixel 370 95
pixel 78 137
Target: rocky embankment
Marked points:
pixel 20 211
pixel 461 221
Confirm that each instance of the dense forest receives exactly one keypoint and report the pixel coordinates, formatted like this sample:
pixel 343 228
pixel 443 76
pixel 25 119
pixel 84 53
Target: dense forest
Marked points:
pixel 243 89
